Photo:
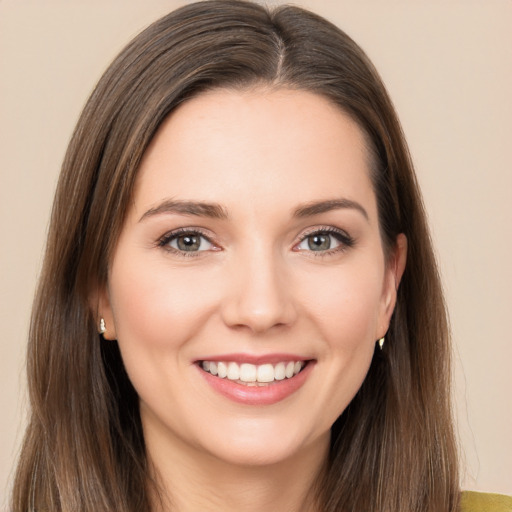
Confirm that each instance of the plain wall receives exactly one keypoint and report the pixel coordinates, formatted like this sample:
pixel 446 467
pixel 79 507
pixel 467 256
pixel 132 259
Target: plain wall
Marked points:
pixel 448 68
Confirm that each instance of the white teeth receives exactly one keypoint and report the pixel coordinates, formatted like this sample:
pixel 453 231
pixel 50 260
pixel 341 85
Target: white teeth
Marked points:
pixel 289 369
pixel 250 373
pixel 233 371
pixel 279 371
pixel 265 373
pixel 222 370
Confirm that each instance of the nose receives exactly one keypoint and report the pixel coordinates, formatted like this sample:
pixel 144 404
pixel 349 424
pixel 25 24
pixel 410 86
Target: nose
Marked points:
pixel 260 295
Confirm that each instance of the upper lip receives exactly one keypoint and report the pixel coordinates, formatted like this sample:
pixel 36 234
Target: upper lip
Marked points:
pixel 255 359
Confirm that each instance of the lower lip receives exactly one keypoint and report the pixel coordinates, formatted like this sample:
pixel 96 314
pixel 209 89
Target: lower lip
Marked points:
pixel 258 395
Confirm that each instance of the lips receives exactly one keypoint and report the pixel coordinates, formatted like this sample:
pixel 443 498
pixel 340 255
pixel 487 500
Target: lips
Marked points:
pixel 255 381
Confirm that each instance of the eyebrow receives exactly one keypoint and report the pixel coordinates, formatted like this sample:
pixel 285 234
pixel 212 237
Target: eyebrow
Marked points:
pixel 217 211
pixel 199 209
pixel 315 208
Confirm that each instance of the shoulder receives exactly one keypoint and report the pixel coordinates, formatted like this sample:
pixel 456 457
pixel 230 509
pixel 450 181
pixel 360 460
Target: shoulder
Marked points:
pixel 485 502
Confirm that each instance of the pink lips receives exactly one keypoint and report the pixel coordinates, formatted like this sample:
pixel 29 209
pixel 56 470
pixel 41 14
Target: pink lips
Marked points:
pixel 268 394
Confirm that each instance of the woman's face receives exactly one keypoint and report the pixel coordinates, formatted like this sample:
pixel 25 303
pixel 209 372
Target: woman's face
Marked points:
pixel 251 248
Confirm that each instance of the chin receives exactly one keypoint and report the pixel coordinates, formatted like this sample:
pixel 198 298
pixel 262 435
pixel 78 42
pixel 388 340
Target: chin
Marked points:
pixel 263 445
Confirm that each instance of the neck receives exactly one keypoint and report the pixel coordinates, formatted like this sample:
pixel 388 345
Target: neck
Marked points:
pixel 189 481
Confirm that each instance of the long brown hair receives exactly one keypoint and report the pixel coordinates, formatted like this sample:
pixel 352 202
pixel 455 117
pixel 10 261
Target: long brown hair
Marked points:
pixel 393 448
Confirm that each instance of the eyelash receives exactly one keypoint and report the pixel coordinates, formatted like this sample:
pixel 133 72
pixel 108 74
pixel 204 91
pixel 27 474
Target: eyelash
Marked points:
pixel 345 240
pixel 165 240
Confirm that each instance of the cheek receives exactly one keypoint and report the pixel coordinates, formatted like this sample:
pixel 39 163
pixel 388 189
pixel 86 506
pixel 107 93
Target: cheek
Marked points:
pixel 342 307
pixel 157 309
pixel 346 304
pixel 351 316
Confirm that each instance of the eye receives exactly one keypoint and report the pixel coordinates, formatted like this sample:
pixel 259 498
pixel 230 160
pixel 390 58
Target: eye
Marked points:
pixel 325 240
pixel 186 241
pixel 318 242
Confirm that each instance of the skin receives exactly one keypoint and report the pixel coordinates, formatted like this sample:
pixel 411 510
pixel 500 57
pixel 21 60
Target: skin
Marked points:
pixel 255 287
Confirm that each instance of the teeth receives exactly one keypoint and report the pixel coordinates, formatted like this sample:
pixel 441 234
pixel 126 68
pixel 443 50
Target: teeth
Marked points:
pixel 265 373
pixel 250 373
pixel 280 371
pixel 233 371
pixel 222 370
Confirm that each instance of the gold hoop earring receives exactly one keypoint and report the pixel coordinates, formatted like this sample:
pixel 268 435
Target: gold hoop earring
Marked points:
pixel 103 327
pixel 381 342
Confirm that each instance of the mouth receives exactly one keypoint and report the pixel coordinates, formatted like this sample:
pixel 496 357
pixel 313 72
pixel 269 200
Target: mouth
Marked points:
pixel 256 383
pixel 248 374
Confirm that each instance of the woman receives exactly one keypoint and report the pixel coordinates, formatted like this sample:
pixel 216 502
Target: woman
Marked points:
pixel 243 228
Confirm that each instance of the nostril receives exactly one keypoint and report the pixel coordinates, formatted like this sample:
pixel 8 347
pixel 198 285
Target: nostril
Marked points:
pixel 257 318
pixel 257 296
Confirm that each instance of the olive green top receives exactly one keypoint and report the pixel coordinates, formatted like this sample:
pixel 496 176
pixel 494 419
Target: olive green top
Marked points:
pixel 485 502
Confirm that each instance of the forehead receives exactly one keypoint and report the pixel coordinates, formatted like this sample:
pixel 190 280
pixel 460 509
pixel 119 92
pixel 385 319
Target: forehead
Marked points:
pixel 246 146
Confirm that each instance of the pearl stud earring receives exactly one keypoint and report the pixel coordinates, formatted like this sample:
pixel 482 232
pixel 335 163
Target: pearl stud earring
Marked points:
pixel 103 327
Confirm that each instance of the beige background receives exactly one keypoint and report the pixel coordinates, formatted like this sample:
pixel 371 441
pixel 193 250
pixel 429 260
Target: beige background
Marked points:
pixel 448 67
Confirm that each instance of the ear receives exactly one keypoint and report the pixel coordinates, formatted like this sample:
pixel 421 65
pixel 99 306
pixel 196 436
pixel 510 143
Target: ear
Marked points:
pixel 102 309
pixel 394 271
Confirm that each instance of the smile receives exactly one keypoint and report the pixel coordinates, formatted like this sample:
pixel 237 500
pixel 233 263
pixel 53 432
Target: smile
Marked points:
pixel 258 383
pixel 251 374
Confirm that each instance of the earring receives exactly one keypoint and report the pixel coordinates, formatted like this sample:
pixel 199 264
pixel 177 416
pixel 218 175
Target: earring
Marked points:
pixel 381 342
pixel 103 327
